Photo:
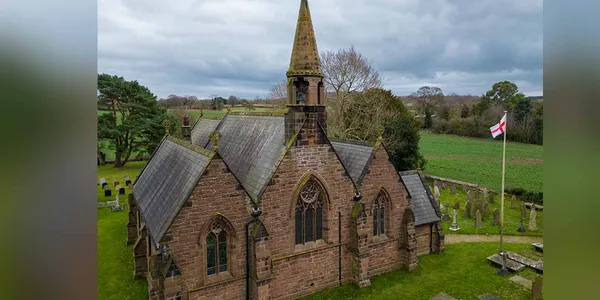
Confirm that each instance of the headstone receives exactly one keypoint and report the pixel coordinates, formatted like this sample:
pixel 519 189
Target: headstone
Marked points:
pixel 444 185
pixel 436 191
pixel 464 188
pixel 469 195
pixel 446 216
pixel 116 183
pixel 453 191
pixel 488 296
pixel 485 193
pixel 513 202
pixel 511 265
pixel 537 266
pixel 107 192
pixel 532 224
pixel 523 211
pixel 468 207
pixel 117 207
pixel 521 281
pixel 122 191
pixel 538 246
pixel 103 182
pixel 477 219
pixel 454 226
pixel 127 182
pixel 521 229
pixel 496 217
pixel 486 208
pixel 457 205
pixel 536 288
pixel 435 183
pixel 491 198
pixel 441 206
pixel 131 186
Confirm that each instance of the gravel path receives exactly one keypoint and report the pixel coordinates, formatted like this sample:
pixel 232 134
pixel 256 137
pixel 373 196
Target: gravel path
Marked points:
pixel 476 238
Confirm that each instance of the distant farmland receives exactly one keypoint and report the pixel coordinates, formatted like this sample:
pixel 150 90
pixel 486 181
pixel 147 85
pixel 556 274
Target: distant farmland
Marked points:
pixel 480 161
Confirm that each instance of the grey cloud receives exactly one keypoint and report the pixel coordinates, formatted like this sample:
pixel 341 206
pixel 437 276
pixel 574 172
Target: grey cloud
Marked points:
pixel 243 47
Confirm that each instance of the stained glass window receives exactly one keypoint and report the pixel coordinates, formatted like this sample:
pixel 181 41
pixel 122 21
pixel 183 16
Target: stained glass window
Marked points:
pixel 379 214
pixel 216 250
pixel 309 213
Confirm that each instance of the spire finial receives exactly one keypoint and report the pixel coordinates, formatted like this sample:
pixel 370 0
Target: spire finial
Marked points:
pixel 167 125
pixel 214 138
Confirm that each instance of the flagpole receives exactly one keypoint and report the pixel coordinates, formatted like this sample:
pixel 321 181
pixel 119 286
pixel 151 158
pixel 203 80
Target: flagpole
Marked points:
pixel 503 270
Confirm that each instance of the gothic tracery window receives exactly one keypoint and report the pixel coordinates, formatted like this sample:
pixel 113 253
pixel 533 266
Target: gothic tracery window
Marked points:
pixel 379 214
pixel 216 249
pixel 309 213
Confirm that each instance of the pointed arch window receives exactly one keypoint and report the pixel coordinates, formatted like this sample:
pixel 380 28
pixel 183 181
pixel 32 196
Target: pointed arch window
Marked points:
pixel 309 213
pixel 216 249
pixel 379 214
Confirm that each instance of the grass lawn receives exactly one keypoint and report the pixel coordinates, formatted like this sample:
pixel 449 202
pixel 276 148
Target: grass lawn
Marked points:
pixel 462 272
pixel 467 225
pixel 479 161
pixel 115 258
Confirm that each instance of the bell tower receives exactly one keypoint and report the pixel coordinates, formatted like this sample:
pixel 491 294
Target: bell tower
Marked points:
pixel 305 86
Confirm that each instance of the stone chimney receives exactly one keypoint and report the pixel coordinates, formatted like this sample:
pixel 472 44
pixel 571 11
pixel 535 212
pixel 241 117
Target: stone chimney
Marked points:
pixel 186 129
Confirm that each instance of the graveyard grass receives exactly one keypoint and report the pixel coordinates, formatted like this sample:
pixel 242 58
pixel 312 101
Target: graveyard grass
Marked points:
pixel 467 225
pixel 115 258
pixel 462 272
pixel 479 161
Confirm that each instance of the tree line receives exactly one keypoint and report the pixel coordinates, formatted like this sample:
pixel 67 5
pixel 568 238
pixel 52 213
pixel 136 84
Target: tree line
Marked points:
pixel 525 115
pixel 214 102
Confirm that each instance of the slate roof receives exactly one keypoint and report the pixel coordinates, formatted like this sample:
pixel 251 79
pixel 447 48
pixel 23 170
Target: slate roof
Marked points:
pixel 251 146
pixel 421 198
pixel 202 129
pixel 354 156
pixel 166 182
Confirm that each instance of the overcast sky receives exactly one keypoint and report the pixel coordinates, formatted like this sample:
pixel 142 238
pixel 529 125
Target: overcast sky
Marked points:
pixel 243 47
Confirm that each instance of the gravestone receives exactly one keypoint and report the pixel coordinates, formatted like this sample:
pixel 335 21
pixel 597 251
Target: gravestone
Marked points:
pixel 486 208
pixel 523 211
pixel 130 186
pixel 435 183
pixel 127 180
pixel 457 205
pixel 436 191
pixel 532 224
pixel 116 206
pixel 122 191
pixel 537 266
pixel 485 193
pixel 446 216
pixel 441 206
pixel 496 217
pixel 469 195
pixel 488 296
pixel 491 198
pixel 444 185
pixel 513 202
pixel 107 191
pixel 454 226
pixel 538 247
pixel 536 288
pixel 103 182
pixel 116 183
pixel 464 188
pixel 468 207
pixel 511 265
pixel 453 191
pixel 521 229
pixel 477 219
pixel 521 281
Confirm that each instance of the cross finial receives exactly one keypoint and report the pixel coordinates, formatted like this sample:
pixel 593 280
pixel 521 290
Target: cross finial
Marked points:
pixel 380 130
pixel 167 125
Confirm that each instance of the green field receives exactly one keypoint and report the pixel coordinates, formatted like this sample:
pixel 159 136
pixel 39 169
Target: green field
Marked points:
pixel 479 161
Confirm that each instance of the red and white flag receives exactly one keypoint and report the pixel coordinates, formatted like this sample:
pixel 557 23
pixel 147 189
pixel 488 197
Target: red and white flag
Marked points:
pixel 499 128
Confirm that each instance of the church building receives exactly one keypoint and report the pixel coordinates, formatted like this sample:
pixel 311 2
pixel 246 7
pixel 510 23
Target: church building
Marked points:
pixel 267 206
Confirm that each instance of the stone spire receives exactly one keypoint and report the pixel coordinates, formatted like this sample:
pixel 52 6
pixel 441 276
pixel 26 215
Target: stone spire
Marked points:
pixel 305 55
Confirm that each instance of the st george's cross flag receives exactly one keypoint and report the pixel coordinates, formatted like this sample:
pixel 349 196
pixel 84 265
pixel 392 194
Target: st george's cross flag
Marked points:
pixel 499 128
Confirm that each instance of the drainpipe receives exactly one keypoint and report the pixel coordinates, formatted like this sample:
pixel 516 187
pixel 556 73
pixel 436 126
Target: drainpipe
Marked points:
pixel 255 214
pixel 340 247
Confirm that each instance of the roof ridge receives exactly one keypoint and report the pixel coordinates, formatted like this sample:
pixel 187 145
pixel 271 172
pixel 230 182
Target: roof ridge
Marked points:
pixel 353 142
pixel 258 113
pixel 190 146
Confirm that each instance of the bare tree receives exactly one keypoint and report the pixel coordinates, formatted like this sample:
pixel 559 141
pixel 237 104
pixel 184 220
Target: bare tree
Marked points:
pixel 278 91
pixel 347 73
pixel 428 97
